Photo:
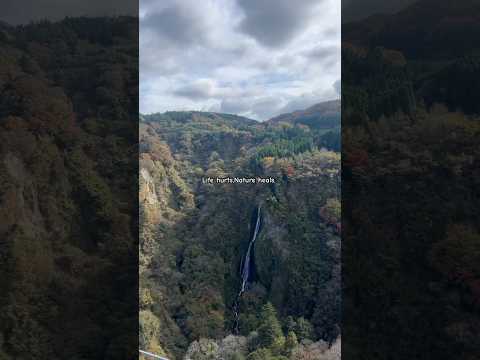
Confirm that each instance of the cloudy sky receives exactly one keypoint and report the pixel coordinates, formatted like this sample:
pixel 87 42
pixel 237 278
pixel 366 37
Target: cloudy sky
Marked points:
pixel 256 58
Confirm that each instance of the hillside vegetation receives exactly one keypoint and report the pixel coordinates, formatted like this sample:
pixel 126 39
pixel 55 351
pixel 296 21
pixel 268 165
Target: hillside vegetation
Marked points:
pixel 194 236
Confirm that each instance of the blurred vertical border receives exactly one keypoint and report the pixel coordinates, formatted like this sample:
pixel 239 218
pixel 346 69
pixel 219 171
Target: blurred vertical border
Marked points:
pixel 410 186
pixel 69 181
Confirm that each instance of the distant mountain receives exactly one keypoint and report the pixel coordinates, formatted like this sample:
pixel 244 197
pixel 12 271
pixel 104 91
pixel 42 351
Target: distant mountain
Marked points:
pixel 325 115
pixel 200 117
pixel 319 123
pixel 422 29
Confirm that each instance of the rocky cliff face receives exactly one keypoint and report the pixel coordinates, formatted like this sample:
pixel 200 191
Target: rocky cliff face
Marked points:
pixel 194 234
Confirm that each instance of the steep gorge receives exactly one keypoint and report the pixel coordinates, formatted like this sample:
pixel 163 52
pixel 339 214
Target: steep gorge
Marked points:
pixel 246 268
pixel 194 235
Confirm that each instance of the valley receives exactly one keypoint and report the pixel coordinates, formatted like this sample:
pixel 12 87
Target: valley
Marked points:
pixel 237 270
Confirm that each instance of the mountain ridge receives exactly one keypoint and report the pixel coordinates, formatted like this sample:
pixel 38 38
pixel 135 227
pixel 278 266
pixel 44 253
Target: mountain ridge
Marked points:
pixel 321 108
pixel 327 112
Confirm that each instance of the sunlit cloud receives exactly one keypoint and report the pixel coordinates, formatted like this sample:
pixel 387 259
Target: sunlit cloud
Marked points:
pixel 255 58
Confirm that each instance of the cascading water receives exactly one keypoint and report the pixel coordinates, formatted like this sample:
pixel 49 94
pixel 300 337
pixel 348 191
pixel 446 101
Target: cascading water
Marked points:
pixel 245 269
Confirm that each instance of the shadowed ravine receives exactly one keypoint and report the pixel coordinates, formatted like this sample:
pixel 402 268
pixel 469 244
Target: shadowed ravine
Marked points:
pixel 245 270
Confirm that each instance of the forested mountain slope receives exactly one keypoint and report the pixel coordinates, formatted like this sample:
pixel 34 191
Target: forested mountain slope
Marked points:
pixel 194 236
pixel 324 115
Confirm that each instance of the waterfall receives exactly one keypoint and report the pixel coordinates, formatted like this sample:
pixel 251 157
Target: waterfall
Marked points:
pixel 246 263
pixel 245 269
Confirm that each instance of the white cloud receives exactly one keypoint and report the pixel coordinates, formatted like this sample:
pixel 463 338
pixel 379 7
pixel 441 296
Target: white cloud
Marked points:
pixel 201 55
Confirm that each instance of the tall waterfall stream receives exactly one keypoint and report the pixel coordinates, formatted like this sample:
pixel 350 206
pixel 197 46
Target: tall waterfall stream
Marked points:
pixel 245 270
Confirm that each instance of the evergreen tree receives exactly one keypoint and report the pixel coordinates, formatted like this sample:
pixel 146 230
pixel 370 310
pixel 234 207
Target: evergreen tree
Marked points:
pixel 253 341
pixel 291 342
pixel 270 332
pixel 290 324
pixel 304 329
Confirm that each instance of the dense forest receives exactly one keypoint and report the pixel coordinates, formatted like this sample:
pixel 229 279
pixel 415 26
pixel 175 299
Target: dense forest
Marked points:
pixel 68 187
pixel 410 160
pixel 194 236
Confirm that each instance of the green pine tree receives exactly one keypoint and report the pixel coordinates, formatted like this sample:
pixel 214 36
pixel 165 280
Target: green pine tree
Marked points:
pixel 291 342
pixel 290 324
pixel 304 329
pixel 270 332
